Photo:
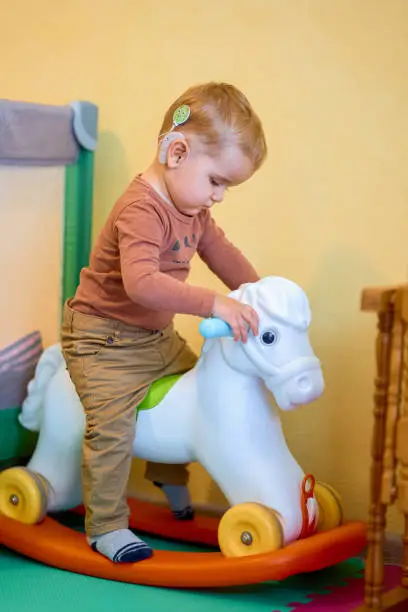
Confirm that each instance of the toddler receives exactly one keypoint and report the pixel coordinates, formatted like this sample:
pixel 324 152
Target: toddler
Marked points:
pixel 117 332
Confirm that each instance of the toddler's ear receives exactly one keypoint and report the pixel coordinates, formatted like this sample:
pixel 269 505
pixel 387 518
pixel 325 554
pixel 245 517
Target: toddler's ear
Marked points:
pixel 173 149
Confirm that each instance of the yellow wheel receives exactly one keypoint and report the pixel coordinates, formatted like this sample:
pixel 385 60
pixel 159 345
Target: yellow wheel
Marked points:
pixel 249 529
pixel 23 495
pixel 330 507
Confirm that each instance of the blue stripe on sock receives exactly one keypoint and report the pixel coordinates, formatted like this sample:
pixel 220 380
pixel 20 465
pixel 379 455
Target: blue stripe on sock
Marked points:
pixel 132 553
pixel 132 546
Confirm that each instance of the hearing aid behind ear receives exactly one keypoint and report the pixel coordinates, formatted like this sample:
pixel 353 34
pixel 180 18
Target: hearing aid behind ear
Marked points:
pixel 166 142
pixel 180 116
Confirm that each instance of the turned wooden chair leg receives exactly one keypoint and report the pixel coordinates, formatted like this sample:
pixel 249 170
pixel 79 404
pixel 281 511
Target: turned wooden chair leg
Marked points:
pixel 374 571
pixel 389 469
pixel 402 450
pixel 402 437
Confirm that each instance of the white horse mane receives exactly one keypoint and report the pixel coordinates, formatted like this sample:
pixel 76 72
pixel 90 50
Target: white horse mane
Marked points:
pixel 278 296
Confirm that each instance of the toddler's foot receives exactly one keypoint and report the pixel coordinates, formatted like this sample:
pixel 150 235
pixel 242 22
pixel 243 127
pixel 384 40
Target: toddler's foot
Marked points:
pixel 121 546
pixel 178 497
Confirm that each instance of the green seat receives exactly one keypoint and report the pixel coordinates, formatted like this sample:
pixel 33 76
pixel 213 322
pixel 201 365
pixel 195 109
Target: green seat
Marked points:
pixel 158 390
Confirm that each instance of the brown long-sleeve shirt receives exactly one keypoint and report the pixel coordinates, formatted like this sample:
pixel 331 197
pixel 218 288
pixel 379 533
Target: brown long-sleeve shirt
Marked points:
pixel 141 260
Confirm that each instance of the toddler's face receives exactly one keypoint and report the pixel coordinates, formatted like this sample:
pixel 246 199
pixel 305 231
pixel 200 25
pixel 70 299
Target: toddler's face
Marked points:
pixel 205 175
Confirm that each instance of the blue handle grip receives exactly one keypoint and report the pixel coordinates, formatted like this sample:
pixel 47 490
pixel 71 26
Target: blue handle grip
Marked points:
pixel 215 328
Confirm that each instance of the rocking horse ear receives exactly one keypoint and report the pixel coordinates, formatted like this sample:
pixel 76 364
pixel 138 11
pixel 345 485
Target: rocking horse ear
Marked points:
pixel 215 328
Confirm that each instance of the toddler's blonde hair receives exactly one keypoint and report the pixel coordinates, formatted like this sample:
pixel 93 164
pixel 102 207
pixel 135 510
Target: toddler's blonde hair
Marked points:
pixel 220 114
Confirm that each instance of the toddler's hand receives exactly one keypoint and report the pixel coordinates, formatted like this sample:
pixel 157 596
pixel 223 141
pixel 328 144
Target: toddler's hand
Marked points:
pixel 239 316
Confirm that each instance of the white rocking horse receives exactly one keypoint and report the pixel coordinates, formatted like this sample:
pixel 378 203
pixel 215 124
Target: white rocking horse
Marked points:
pixel 218 414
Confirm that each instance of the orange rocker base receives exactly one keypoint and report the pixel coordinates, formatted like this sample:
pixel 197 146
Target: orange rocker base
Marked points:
pixel 56 545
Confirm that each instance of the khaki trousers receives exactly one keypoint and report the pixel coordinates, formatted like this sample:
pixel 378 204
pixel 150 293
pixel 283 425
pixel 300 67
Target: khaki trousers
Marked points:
pixel 112 366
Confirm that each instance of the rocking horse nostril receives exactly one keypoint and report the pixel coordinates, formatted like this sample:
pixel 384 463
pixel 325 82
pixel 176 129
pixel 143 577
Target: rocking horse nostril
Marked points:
pixel 246 538
pixel 304 383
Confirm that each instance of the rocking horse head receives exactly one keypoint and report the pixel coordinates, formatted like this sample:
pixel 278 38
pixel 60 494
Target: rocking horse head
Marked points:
pixel 281 354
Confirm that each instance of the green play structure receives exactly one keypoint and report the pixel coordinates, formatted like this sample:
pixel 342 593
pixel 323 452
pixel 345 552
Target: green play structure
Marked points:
pixel 28 141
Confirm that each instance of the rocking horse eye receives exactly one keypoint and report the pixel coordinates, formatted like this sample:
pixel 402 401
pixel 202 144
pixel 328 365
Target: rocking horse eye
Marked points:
pixel 270 337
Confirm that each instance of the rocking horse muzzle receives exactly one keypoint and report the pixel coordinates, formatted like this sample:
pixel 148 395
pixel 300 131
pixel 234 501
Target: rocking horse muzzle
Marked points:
pixel 303 387
pixel 297 382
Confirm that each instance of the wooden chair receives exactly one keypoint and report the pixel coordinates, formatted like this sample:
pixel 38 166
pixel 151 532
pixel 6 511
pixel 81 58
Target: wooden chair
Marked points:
pixel 389 468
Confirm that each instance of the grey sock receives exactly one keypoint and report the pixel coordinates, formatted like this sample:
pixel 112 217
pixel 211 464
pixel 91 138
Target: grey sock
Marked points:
pixel 121 546
pixel 179 500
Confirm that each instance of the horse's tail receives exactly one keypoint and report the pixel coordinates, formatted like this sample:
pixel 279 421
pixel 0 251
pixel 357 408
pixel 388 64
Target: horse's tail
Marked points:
pixel 30 416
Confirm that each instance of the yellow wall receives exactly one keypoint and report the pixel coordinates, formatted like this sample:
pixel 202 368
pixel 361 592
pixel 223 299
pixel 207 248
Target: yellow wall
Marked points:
pixel 30 267
pixel 329 208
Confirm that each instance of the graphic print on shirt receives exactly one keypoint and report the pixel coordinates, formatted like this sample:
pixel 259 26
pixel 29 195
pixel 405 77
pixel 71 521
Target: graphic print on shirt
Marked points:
pixel 189 242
